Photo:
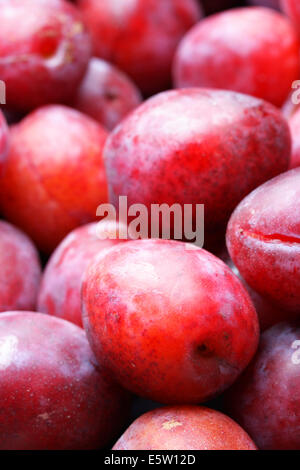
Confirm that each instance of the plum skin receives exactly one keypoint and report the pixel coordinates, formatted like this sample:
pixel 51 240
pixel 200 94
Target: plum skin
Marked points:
pixel 53 393
pixel 294 123
pixel 265 400
pixel 53 178
pixel 44 60
pixel 175 332
pixel 59 293
pixel 235 50
pixel 20 270
pixel 292 9
pixel 140 36
pixel 196 159
pixel 184 428
pixel 263 240
pixel 106 94
pixel 3 140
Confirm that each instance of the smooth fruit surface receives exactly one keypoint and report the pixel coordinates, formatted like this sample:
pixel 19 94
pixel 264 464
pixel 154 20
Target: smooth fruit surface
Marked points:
pixel 265 400
pixel 53 395
pixel 292 9
pixel 59 293
pixel 44 51
pixel 184 428
pixel 53 179
pixel 250 50
pixel 106 94
pixel 20 270
pixel 196 146
pixel 263 239
pixel 140 36
pixel 171 321
pixel 3 140
pixel 294 123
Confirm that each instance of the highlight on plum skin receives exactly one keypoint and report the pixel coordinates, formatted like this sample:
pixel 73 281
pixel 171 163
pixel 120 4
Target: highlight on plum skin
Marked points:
pixel 106 94
pixel 294 123
pixel 265 400
pixel 251 50
pixel 140 36
pixel 184 428
pixel 53 393
pixel 60 290
pixel 43 58
pixel 20 270
pixel 176 332
pixel 53 178
pixel 263 240
pixel 212 143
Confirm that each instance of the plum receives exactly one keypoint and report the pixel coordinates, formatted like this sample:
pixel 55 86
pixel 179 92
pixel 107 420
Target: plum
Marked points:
pixel 294 123
pixel 44 51
pixel 106 94
pixel 175 331
pixel 3 140
pixel 290 106
pixel 265 400
pixel 20 270
pixel 53 393
pixel 53 178
pixel 184 428
pixel 196 146
pixel 252 50
pixel 59 293
pixel 140 36
pixel 292 9
pixel 263 239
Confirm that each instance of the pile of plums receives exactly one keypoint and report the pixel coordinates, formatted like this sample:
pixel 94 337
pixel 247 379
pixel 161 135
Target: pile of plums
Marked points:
pixel 169 103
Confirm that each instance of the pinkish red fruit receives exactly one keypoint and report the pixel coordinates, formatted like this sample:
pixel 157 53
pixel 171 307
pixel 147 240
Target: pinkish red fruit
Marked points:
pixel 294 123
pixel 59 294
pixel 20 270
pixel 53 394
pixel 3 140
pixel 263 239
pixel 265 400
pixel 170 321
pixel 249 50
pixel 44 51
pixel 106 94
pixel 196 146
pixel 292 9
pixel 184 428
pixel 140 36
pixel 53 179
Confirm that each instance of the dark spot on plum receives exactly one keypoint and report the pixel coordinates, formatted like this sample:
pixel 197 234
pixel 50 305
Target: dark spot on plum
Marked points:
pixel 110 96
pixel 204 351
